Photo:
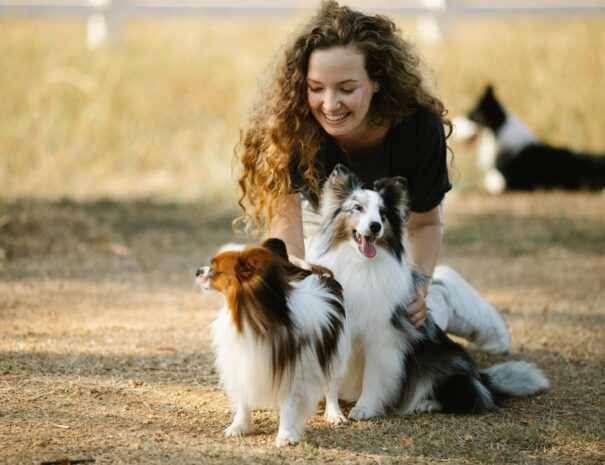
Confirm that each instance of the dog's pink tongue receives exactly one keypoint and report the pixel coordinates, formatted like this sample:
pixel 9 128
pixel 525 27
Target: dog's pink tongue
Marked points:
pixel 367 247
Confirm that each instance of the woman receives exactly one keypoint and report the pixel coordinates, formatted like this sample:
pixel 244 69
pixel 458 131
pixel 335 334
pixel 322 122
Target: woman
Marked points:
pixel 348 89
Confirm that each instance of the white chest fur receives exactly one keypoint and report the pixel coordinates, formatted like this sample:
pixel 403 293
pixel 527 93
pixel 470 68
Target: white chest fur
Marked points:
pixel 372 287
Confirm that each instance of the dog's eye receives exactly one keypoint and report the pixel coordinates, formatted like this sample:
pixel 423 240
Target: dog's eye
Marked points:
pixel 383 215
pixel 357 208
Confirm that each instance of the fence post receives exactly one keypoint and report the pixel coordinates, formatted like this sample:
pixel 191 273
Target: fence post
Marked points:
pixel 104 24
pixel 432 25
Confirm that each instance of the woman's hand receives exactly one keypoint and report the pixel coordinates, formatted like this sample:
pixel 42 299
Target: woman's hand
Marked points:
pixel 417 309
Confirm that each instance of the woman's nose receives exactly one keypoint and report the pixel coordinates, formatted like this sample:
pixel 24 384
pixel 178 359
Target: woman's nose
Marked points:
pixel 331 101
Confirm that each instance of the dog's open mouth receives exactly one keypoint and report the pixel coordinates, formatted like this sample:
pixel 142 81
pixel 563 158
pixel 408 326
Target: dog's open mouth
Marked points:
pixel 365 244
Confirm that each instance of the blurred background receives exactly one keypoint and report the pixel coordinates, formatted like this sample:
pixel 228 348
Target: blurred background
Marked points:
pixel 143 99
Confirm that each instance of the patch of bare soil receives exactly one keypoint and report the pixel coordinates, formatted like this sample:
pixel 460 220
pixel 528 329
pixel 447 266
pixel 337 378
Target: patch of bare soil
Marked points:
pixel 104 344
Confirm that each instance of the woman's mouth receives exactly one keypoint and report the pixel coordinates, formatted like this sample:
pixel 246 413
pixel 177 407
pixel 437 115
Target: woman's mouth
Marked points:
pixel 336 118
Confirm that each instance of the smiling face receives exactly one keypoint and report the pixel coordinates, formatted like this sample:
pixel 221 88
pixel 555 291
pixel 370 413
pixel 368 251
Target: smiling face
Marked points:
pixel 339 92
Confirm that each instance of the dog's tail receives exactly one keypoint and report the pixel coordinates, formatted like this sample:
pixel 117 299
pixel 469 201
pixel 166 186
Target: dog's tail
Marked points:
pixel 514 379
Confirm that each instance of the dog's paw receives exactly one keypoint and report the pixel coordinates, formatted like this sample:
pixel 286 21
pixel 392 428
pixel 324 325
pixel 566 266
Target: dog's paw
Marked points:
pixel 361 413
pixel 286 438
pixel 427 406
pixel 336 419
pixel 235 431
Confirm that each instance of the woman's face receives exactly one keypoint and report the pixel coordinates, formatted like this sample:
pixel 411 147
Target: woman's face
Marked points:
pixel 340 92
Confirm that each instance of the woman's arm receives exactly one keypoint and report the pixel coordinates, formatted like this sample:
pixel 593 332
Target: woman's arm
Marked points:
pixel 424 238
pixel 286 224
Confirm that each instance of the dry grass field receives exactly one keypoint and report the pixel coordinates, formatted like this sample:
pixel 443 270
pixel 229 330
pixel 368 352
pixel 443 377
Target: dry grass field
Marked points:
pixel 114 187
pixel 105 349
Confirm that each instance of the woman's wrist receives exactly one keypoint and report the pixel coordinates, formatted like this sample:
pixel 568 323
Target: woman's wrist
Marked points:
pixel 420 277
pixel 421 281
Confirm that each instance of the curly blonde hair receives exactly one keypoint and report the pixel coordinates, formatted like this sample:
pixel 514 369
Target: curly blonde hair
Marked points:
pixel 282 135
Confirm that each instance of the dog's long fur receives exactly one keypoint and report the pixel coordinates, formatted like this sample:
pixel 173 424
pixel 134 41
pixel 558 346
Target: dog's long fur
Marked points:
pixel 514 159
pixel 396 367
pixel 280 339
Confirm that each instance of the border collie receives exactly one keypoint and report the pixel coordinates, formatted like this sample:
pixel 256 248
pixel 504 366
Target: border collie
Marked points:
pixel 512 158
pixel 396 367
pixel 280 341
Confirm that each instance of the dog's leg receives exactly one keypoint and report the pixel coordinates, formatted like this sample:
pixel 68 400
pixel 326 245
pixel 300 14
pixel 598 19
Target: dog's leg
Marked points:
pixel 424 406
pixel 242 421
pixel 291 419
pixel 419 400
pixel 333 413
pixel 381 380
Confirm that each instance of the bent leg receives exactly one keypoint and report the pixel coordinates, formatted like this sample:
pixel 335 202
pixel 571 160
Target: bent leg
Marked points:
pixel 459 309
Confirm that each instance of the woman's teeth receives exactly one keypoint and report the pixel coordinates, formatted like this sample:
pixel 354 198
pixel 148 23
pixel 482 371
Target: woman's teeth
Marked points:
pixel 336 118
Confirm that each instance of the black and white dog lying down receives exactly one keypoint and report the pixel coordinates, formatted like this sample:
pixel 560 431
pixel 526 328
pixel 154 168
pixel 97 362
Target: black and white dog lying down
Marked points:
pixel 396 367
pixel 513 159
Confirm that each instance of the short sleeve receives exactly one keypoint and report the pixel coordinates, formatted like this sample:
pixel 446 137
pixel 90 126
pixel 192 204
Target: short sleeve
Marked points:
pixel 428 180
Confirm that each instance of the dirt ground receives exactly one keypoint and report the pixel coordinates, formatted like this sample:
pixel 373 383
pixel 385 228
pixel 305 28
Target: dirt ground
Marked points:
pixel 104 344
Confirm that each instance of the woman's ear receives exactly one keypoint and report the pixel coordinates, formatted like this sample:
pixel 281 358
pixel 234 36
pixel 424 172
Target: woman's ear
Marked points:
pixel 375 86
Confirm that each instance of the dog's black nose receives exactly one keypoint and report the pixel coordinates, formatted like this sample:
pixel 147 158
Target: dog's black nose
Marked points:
pixel 199 271
pixel 375 227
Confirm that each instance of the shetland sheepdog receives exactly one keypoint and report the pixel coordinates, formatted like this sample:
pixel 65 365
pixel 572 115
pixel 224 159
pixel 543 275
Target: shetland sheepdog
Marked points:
pixel 396 367
pixel 280 341
pixel 513 158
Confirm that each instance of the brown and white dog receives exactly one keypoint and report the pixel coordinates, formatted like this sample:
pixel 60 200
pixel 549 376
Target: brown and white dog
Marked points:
pixel 281 339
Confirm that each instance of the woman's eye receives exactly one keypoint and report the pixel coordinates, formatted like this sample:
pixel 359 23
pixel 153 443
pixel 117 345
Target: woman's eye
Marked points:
pixel 347 91
pixel 315 89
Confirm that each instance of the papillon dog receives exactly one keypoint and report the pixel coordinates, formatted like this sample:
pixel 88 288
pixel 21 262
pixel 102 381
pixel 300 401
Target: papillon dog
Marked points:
pixel 281 340
pixel 396 367
pixel 512 158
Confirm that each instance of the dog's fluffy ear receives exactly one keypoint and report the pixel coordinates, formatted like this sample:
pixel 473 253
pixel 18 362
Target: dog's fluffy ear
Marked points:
pixel 251 262
pixel 340 170
pixel 393 192
pixel 277 246
pixel 384 183
pixel 341 182
pixel 488 111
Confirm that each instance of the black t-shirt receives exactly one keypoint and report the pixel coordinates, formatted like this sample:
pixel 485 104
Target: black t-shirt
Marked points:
pixel 414 149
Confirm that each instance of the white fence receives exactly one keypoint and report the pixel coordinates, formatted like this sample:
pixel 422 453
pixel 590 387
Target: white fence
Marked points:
pixel 137 8
pixel 106 17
